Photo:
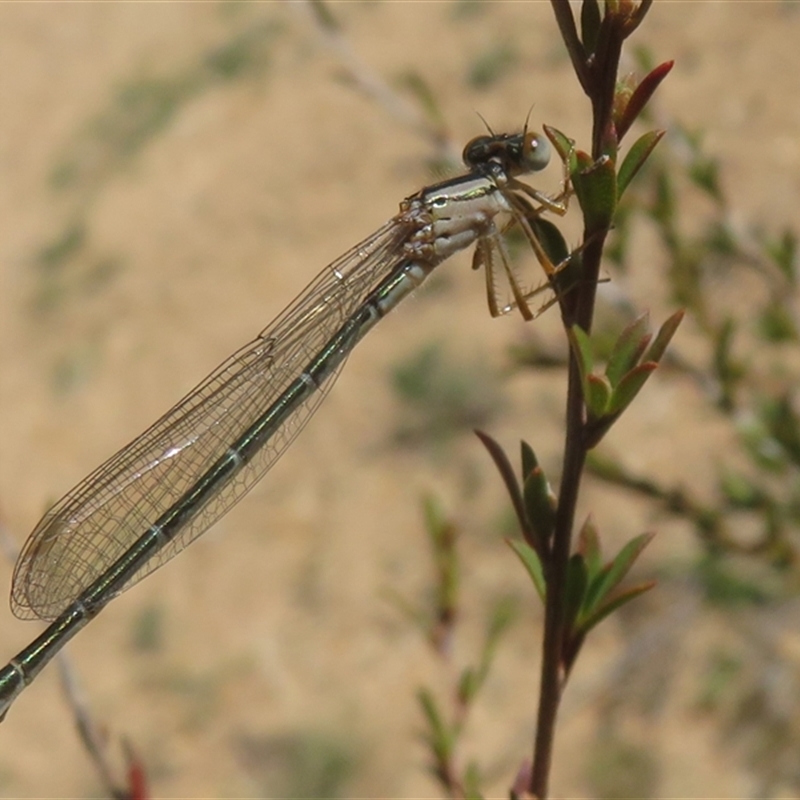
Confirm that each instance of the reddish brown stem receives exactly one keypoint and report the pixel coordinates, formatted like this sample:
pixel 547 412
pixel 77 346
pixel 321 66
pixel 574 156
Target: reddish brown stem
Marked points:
pixel 598 77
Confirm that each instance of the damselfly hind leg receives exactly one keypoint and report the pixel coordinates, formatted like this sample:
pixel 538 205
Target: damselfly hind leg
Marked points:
pixel 551 251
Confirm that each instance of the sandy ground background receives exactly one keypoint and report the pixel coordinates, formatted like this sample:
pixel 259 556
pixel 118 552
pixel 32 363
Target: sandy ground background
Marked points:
pixel 266 661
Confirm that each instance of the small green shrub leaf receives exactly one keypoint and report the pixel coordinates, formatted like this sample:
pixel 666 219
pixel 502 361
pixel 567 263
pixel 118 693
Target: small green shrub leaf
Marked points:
pixel 440 738
pixel 539 506
pixel 589 547
pixel 628 348
pixel 532 563
pixel 582 348
pixel 590 25
pixel 597 395
pixel 629 387
pixel 636 158
pixel 529 460
pixel 565 147
pixel 613 602
pixel 609 578
pixel 664 337
pixel 508 475
pixel 551 239
pixel 577 581
pixel 595 185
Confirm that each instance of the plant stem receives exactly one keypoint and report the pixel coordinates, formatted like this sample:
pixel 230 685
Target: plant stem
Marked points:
pixel 552 683
pixel 598 80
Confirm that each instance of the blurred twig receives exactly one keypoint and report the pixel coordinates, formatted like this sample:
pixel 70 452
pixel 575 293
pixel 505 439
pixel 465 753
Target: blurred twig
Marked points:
pixel 429 126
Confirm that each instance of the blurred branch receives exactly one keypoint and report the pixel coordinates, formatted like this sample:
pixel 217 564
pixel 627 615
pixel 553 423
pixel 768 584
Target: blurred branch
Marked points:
pixel 373 86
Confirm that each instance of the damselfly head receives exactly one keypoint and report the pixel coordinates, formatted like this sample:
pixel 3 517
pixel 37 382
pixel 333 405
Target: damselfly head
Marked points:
pixel 517 153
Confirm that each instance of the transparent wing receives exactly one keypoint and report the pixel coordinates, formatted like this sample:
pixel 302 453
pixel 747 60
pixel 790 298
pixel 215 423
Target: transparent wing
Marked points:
pixel 92 526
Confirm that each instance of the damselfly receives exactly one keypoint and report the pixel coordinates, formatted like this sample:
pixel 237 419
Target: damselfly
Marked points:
pixel 156 495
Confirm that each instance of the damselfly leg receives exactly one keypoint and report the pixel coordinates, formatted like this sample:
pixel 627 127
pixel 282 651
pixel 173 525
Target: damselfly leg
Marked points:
pixel 518 154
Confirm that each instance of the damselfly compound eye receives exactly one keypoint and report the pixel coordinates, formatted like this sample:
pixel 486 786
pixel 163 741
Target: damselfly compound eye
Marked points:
pixel 535 152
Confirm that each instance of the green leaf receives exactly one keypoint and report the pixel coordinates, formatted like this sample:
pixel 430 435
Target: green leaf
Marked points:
pixel 440 738
pixel 636 158
pixel 628 348
pixel 596 390
pixel 595 185
pixel 613 602
pixel 614 572
pixel 564 146
pixel 529 460
pixel 623 394
pixel 539 506
pixel 550 238
pixel 530 560
pixel 508 475
pixel 577 581
pixel 664 337
pixel 590 25
pixel 589 547
pixel 597 396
